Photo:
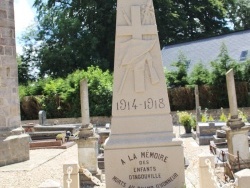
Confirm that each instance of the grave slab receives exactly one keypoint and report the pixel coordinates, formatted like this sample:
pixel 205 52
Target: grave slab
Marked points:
pixel 205 131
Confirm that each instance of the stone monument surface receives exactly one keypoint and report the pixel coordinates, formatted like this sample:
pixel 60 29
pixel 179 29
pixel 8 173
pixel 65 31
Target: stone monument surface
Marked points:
pixel 236 130
pixel 88 139
pixel 141 150
pixel 9 98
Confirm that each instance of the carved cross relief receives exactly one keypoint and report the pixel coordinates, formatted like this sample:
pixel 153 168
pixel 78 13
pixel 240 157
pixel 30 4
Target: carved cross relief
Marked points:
pixel 136 51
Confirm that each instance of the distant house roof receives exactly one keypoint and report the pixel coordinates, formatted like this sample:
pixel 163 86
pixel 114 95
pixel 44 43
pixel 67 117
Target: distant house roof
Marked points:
pixel 207 50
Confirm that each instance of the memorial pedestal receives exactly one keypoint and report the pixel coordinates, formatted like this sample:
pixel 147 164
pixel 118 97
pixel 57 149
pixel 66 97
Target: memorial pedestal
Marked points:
pixel 237 141
pixel 156 162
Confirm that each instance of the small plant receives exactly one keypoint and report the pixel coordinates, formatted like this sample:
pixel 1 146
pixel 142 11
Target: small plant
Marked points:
pixel 223 117
pixel 59 137
pixel 194 123
pixel 187 120
pixel 204 117
pixel 242 116
pixel 210 118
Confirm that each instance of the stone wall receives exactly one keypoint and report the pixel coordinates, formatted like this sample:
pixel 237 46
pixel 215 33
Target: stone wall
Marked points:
pixel 9 99
pixel 102 120
pixel 14 149
pixel 98 121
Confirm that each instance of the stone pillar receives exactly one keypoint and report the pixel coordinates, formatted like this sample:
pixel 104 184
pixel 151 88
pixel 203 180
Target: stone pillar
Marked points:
pixel 9 98
pixel 243 177
pixel 197 104
pixel 88 140
pixel 71 168
pixel 236 131
pixel 84 102
pixel 232 94
pixel 204 175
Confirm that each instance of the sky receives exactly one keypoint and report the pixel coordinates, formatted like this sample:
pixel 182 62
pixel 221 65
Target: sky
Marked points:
pixel 24 16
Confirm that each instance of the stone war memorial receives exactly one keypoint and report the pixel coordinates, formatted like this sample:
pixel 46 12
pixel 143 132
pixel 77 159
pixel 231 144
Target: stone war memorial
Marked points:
pixel 142 150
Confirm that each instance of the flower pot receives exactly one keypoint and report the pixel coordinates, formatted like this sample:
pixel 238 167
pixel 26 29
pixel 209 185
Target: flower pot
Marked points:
pixel 188 129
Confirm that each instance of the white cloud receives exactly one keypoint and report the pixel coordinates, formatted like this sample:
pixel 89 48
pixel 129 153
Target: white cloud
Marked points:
pixel 24 17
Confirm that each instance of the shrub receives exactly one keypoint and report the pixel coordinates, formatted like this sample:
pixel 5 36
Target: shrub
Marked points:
pixel 223 117
pixel 185 118
pixel 60 98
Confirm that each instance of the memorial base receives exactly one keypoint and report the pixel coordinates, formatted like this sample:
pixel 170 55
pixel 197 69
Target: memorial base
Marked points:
pixel 135 166
pixel 88 152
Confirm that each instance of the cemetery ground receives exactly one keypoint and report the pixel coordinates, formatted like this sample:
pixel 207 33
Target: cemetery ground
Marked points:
pixel 48 164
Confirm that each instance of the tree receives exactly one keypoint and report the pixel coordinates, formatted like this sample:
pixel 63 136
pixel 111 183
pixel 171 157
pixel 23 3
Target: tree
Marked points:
pixel 178 77
pixel 221 65
pixel 73 35
pixel 24 75
pixel 185 20
pixel 199 75
pixel 245 68
pixel 239 14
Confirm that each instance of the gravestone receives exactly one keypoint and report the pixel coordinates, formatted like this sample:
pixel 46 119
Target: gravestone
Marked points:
pixel 236 130
pixel 141 150
pixel 88 139
pixel 9 99
pixel 205 131
pixel 197 104
pixel 42 117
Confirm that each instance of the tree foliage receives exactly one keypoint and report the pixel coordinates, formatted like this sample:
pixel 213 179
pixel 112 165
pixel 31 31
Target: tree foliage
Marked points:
pixel 61 97
pixel 73 35
pixel 178 77
pixel 223 64
pixel 186 20
pixel 199 75
pixel 24 75
pixel 239 14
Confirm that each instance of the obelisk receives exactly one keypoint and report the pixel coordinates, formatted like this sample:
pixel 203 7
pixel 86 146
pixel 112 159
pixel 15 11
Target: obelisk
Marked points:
pixel 141 150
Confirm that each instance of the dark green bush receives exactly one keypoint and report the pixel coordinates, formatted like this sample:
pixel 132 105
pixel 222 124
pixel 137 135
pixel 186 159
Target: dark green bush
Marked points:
pixel 60 98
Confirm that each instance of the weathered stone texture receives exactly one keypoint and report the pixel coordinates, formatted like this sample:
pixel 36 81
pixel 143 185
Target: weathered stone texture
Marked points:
pixel 1 50
pixel 9 103
pixel 9 153
pixel 8 50
pixel 3 14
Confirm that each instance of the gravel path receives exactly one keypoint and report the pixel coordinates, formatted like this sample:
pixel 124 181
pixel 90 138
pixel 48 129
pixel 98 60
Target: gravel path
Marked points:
pixel 51 168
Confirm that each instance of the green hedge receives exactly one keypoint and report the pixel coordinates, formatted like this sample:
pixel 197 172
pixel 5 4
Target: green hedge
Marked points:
pixel 60 98
pixel 212 97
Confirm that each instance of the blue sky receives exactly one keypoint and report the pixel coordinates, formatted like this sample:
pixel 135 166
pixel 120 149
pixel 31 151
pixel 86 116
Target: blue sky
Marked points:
pixel 24 16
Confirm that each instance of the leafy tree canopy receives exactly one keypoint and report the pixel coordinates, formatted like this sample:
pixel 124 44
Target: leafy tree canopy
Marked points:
pixel 24 75
pixel 178 77
pixel 223 64
pixel 74 34
pixel 239 14
pixel 199 75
